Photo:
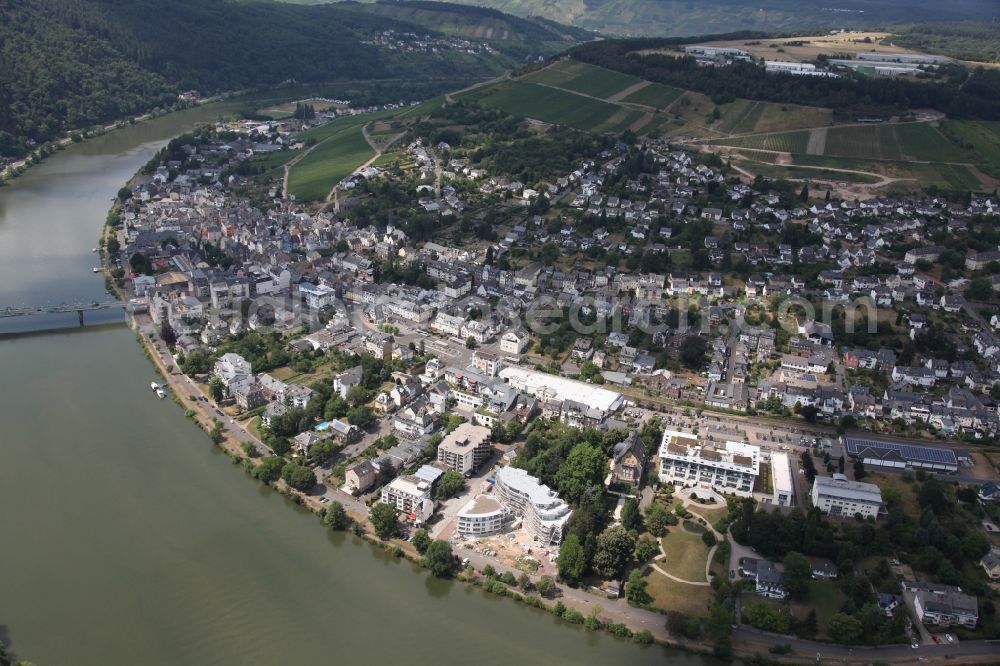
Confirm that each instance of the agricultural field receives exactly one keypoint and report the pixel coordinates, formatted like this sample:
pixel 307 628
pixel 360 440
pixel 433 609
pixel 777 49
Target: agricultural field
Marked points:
pixel 655 95
pixel 312 178
pixel 777 117
pixel 877 142
pixel 923 142
pixel 556 106
pixel 785 142
pixel 582 78
pixel 740 117
pixel 981 137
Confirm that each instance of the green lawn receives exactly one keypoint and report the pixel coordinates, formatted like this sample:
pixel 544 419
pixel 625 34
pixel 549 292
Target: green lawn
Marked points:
pixel 312 178
pixel 669 595
pixel 656 95
pixel 686 554
pixel 551 105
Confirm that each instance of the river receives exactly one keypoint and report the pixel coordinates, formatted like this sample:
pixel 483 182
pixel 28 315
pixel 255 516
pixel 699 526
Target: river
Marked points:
pixel 127 538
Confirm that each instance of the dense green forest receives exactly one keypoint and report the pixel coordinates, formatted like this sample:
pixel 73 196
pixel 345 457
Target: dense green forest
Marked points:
pixel 68 64
pixel 960 94
pixel 965 40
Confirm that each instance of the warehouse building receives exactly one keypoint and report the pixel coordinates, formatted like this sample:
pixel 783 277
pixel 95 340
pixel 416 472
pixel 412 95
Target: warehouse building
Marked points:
pixel 900 455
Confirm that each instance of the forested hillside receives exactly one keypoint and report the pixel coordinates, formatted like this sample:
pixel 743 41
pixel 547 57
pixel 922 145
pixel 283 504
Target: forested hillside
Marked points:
pixel 67 64
pixel 675 18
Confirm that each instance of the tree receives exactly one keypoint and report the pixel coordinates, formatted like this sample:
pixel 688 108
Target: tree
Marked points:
pixel 524 582
pixel 658 518
pixel 635 589
pixel 614 550
pixel 216 390
pixel 585 466
pixel 383 518
pixel 692 352
pixel 363 417
pixel 797 575
pixel 646 549
pixel 546 586
pixel 470 342
pixel 809 626
pixel 298 477
pixel 335 518
pixel 124 194
pixel 321 452
pixel 269 469
pixel 631 518
pixel 708 536
pixel 844 628
pixel 450 484
pixel 572 562
pixel 167 333
pixel 421 540
pixel 357 396
pixel 439 559
pixel 980 289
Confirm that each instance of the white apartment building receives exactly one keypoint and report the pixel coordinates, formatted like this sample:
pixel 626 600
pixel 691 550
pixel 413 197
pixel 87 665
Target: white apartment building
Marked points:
pixel 731 470
pixel 513 342
pixel 465 448
pixel 411 495
pixel 543 514
pixel 482 515
pixel 839 496
pixel 781 479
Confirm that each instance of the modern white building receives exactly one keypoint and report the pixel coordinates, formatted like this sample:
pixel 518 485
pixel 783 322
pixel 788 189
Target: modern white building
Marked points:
pixel 551 387
pixel 482 515
pixel 781 479
pixel 465 448
pixel 731 470
pixel 317 296
pixel 411 495
pixel 839 496
pixel 543 514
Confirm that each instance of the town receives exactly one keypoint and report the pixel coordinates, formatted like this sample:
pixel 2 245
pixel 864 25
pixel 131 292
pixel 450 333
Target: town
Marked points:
pixel 610 362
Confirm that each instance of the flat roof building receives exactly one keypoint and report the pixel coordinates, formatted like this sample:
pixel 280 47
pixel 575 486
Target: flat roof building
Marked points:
pixel 781 478
pixel 732 470
pixel 839 496
pixel 411 495
pixel 482 515
pixel 465 448
pixel 544 515
pixel 944 605
pixel 550 387
pixel 890 453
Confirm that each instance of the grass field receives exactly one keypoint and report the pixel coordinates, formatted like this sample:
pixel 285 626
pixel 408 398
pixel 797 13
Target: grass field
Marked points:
pixel 271 161
pixel 686 554
pixel 673 596
pixel 557 106
pixel 312 178
pixel 826 598
pixel 777 117
pixel 786 142
pixel 655 95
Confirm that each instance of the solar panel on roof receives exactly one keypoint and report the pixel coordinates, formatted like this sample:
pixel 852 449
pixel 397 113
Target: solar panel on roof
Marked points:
pixel 907 451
